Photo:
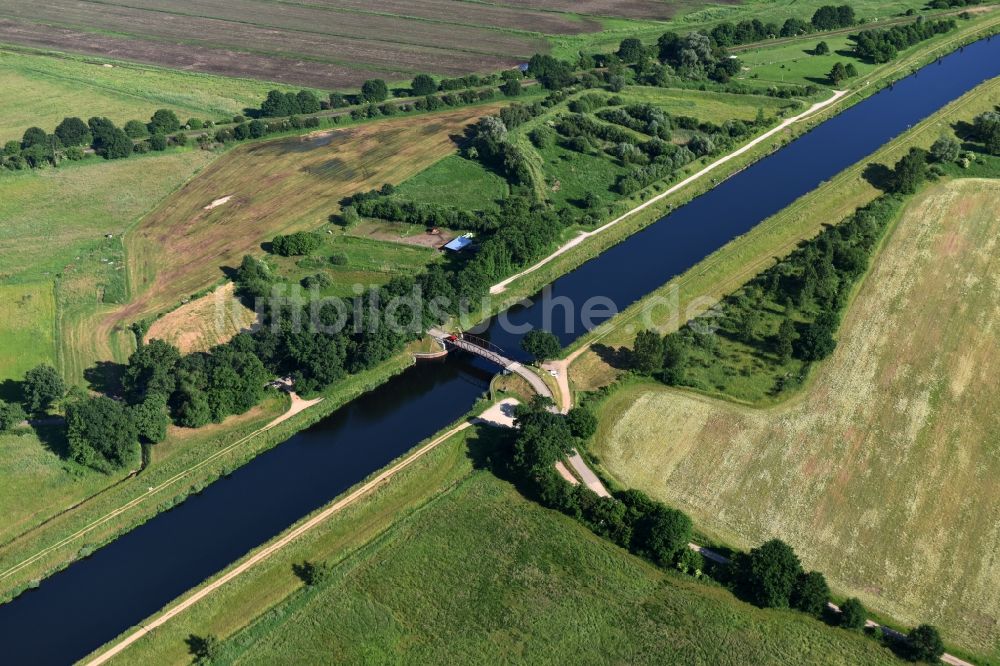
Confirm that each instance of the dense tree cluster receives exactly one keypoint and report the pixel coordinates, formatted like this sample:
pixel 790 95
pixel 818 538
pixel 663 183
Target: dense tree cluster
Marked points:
pixel 951 4
pixel 883 45
pixel 830 17
pixel 552 73
pixel 295 244
pixel 279 104
pixel 697 56
pixel 772 577
pixel 101 434
pixel 804 295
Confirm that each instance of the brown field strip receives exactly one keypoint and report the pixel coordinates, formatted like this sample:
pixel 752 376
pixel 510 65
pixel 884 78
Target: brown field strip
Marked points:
pixel 469 13
pixel 276 187
pixel 295 42
pixel 882 473
pixel 636 9
pixel 191 57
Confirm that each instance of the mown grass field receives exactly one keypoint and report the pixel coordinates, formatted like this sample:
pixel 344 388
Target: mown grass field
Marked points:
pixel 455 181
pixel 53 245
pixel 27 328
pixel 42 89
pixel 447 564
pixel 879 474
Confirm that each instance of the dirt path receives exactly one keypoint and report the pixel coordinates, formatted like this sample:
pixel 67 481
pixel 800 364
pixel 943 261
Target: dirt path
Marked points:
pixel 500 287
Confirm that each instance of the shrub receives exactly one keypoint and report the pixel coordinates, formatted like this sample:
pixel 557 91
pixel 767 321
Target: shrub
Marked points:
pixel 853 614
pixel 924 644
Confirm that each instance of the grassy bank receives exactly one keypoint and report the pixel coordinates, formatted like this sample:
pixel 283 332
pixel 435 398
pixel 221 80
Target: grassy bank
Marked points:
pixel 447 563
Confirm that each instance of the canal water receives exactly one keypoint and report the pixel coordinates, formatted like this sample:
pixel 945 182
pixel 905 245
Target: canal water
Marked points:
pixel 97 598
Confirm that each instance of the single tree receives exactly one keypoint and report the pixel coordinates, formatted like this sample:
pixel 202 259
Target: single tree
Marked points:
pixel 631 50
pixel 151 419
pixel 945 150
pixel 910 171
pixel 422 85
pixel 784 343
pixel 164 121
pixel 663 533
pixel 158 142
pixel 34 136
pixel 135 129
pixel 101 434
pixel 675 355
pixel 151 370
pixel 43 385
pixel 986 127
pixel 821 49
pixel 838 74
pixel 647 352
pixel 811 593
pixel 582 422
pixel 306 102
pixel 853 614
pixel 374 90
pixel 851 70
pixel 73 132
pixel 769 573
pixel 511 87
pixel 541 344
pixel 925 644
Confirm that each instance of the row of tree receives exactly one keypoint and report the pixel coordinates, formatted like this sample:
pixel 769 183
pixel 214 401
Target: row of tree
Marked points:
pixel 72 136
pixel 827 17
pixel 883 45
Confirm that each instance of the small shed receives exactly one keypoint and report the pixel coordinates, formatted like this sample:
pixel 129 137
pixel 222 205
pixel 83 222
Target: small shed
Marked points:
pixel 523 67
pixel 458 244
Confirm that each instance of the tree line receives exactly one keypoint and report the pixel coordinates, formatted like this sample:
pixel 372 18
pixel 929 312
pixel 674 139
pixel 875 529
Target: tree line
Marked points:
pixel 72 137
pixel 880 46
pixel 827 17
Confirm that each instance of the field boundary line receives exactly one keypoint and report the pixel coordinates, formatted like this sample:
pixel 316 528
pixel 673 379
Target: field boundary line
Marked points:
pixel 273 548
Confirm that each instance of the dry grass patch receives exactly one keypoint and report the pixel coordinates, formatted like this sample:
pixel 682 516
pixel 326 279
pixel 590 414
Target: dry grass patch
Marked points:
pixel 276 187
pixel 204 322
pixel 882 473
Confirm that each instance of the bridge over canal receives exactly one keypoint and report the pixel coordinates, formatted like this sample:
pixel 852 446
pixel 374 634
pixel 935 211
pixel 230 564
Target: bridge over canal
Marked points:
pixel 494 354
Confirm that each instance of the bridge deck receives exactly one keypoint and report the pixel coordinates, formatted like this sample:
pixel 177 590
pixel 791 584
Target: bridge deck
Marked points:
pixel 536 382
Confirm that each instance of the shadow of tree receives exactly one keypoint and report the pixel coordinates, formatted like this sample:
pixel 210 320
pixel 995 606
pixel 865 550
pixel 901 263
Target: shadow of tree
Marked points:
pixel 53 437
pixel 106 377
pixel 878 175
pixel 620 358
pixel 11 390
